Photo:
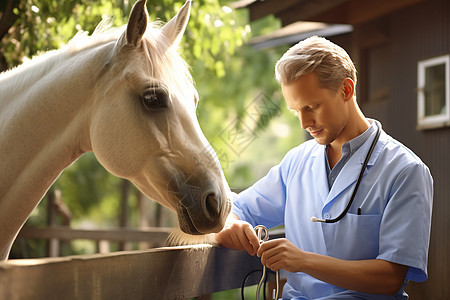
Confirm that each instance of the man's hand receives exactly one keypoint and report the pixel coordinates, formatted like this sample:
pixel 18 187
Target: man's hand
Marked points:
pixel 280 254
pixel 239 235
pixel 374 276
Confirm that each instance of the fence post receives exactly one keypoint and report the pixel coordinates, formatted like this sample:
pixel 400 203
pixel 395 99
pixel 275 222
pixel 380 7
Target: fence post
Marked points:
pixel 52 220
pixel 124 210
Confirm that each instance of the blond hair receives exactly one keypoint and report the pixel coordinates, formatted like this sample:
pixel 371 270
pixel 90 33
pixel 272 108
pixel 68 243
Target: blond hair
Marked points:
pixel 316 54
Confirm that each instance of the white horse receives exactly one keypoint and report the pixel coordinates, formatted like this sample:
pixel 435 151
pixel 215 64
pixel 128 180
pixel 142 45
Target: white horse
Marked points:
pixel 125 95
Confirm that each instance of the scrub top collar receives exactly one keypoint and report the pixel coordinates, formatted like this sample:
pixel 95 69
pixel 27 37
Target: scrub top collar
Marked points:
pixel 348 149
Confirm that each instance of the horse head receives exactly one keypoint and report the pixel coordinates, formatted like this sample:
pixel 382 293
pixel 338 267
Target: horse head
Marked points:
pixel 145 127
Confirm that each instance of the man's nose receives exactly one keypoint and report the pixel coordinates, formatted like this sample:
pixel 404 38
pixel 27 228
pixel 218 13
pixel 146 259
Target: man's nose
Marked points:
pixel 305 120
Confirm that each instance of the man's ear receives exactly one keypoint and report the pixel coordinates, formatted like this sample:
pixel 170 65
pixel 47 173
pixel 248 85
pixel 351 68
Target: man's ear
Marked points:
pixel 348 89
pixel 137 24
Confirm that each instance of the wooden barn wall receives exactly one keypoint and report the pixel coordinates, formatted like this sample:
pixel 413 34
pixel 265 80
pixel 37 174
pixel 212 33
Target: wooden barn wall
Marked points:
pixel 387 52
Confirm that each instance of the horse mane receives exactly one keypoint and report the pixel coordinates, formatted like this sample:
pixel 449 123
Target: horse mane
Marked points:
pixel 39 65
pixel 159 51
pixel 171 68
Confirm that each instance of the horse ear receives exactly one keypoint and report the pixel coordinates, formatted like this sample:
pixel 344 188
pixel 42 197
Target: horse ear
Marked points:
pixel 174 29
pixel 137 24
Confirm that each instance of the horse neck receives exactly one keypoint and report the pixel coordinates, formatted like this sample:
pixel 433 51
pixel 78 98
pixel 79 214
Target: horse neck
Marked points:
pixel 44 127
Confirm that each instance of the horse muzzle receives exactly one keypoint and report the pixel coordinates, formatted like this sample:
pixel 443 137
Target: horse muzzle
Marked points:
pixel 203 213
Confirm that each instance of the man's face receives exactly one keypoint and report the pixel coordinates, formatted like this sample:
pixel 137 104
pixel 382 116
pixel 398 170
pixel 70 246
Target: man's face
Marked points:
pixel 322 112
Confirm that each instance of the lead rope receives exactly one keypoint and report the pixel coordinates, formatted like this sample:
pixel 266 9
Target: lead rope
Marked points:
pixel 259 229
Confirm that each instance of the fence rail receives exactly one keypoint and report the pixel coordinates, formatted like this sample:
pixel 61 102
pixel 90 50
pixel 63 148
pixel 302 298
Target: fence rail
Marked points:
pixel 161 273
pixel 151 236
pixel 154 234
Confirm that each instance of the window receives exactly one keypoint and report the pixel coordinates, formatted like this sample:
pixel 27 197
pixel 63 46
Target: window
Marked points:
pixel 433 97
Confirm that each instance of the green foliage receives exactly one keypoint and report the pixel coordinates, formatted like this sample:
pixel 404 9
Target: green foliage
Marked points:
pixel 82 174
pixel 212 34
pixel 49 24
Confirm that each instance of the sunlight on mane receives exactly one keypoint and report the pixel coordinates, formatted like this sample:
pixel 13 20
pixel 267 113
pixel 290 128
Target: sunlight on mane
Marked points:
pixel 103 32
pixel 48 59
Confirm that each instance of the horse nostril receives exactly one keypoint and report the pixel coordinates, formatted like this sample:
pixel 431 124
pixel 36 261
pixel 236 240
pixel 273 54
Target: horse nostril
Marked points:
pixel 212 205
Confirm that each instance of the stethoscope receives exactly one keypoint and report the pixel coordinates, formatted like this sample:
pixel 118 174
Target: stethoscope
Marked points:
pixel 260 229
pixel 344 212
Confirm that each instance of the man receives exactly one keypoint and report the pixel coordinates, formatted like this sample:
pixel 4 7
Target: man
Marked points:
pixel 382 241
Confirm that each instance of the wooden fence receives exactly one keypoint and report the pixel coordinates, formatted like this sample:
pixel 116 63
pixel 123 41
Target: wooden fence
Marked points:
pixel 179 272
pixel 161 273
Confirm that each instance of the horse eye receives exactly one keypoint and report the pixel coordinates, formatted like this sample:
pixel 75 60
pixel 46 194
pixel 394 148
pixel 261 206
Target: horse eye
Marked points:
pixel 154 99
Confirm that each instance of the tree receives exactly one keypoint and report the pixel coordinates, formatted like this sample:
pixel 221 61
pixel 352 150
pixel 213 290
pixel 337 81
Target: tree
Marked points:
pixel 28 27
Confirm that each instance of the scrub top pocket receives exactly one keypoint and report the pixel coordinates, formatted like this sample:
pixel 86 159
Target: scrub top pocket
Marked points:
pixel 353 237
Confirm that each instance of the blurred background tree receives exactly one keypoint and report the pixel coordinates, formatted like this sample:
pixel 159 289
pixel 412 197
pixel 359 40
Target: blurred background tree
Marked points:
pixel 241 110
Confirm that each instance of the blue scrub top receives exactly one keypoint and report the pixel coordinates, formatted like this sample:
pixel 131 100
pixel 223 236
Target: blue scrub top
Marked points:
pixel 395 197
